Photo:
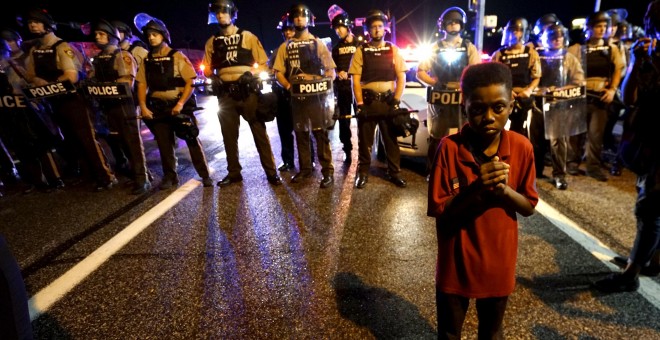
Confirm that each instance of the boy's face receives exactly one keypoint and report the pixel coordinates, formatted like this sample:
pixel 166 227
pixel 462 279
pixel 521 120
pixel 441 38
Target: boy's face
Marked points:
pixel 488 109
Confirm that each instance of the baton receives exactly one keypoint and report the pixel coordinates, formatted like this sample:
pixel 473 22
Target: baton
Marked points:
pixel 381 115
pixel 196 108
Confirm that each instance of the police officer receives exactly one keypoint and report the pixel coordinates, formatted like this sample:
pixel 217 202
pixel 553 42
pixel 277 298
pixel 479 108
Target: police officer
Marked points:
pixel 113 65
pixel 525 70
pixel 53 60
pixel 342 53
pixel 641 87
pixel 24 129
pixel 379 77
pixel 284 119
pixel 129 42
pixel 604 65
pixel 615 109
pixel 166 99
pixel 539 28
pixel 301 60
pixel 450 55
pixel 560 70
pixel 232 54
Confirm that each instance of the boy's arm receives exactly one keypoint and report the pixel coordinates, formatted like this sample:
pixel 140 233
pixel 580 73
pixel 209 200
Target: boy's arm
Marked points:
pixel 496 173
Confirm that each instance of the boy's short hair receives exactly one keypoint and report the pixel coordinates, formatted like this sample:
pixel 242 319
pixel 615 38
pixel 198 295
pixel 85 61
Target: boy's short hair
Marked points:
pixel 482 75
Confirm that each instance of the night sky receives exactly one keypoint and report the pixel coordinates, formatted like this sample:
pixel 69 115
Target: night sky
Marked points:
pixel 186 19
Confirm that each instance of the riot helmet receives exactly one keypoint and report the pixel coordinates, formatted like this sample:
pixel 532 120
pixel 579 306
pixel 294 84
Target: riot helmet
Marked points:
pixel 342 19
pixel 300 10
pixel 41 15
pixel 597 17
pixel 545 21
pixel 123 28
pixel 618 15
pixel 107 27
pixel 145 23
pixel 375 15
pixel 624 31
pixel 222 6
pixel 516 24
pixel 11 35
pixel 284 23
pixel 451 14
pixel 551 33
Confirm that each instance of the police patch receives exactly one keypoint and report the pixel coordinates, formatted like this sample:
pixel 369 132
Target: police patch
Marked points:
pixel 69 52
pixel 127 60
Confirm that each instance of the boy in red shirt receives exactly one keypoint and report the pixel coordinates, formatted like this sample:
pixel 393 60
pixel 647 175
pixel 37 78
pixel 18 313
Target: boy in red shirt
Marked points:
pixel 481 178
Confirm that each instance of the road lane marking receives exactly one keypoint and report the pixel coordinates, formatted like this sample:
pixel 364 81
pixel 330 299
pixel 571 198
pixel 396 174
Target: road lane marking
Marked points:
pixel 648 288
pixel 45 298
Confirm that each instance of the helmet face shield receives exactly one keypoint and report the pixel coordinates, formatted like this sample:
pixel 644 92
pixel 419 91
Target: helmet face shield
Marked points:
pixel 297 11
pixel 450 16
pixel 555 37
pixel 222 7
pixel 515 32
pixel 145 22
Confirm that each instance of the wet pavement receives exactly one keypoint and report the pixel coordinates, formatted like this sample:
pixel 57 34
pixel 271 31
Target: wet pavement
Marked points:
pixel 256 261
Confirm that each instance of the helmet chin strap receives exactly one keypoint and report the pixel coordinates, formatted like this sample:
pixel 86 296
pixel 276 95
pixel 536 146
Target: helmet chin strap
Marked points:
pixel 300 28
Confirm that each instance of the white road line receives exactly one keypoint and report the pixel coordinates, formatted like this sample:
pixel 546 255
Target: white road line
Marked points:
pixel 648 288
pixel 45 298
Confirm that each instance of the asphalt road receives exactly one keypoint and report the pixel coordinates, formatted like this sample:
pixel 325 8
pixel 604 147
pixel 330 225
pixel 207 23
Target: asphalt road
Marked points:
pixel 253 261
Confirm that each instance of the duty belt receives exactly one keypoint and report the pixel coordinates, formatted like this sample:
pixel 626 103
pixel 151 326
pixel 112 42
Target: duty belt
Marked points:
pixel 229 87
pixel 233 89
pixel 368 96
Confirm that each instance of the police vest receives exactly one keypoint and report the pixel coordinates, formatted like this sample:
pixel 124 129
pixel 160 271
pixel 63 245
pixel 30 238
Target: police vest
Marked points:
pixel 342 54
pixel 45 62
pixel 449 62
pixel 160 72
pixel 519 65
pixel 227 51
pixel 104 66
pixel 599 63
pixel 378 63
pixel 302 57
pixel 552 68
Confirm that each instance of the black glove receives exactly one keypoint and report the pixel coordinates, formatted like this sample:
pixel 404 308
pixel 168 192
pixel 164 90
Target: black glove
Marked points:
pixel 361 110
pixel 394 103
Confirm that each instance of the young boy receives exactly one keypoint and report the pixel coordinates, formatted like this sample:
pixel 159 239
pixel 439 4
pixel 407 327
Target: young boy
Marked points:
pixel 480 179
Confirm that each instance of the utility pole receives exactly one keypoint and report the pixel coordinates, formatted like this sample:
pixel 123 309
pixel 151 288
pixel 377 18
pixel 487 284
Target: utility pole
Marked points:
pixel 478 7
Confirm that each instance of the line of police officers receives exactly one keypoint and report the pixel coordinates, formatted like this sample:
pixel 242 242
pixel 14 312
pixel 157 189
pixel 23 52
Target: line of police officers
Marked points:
pixel 367 78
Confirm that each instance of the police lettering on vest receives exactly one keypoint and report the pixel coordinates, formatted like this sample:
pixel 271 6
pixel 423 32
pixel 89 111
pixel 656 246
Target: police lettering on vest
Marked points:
pixel 13 102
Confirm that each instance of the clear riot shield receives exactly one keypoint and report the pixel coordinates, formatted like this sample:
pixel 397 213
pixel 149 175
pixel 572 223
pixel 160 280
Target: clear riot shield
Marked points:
pixel 110 93
pixel 564 104
pixel 312 104
pixel 445 112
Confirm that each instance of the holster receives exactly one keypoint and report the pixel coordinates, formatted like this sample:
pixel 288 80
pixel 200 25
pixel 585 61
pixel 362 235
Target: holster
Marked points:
pixel 369 96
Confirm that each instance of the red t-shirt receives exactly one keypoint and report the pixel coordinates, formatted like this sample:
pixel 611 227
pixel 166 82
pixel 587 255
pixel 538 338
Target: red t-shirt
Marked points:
pixel 479 259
